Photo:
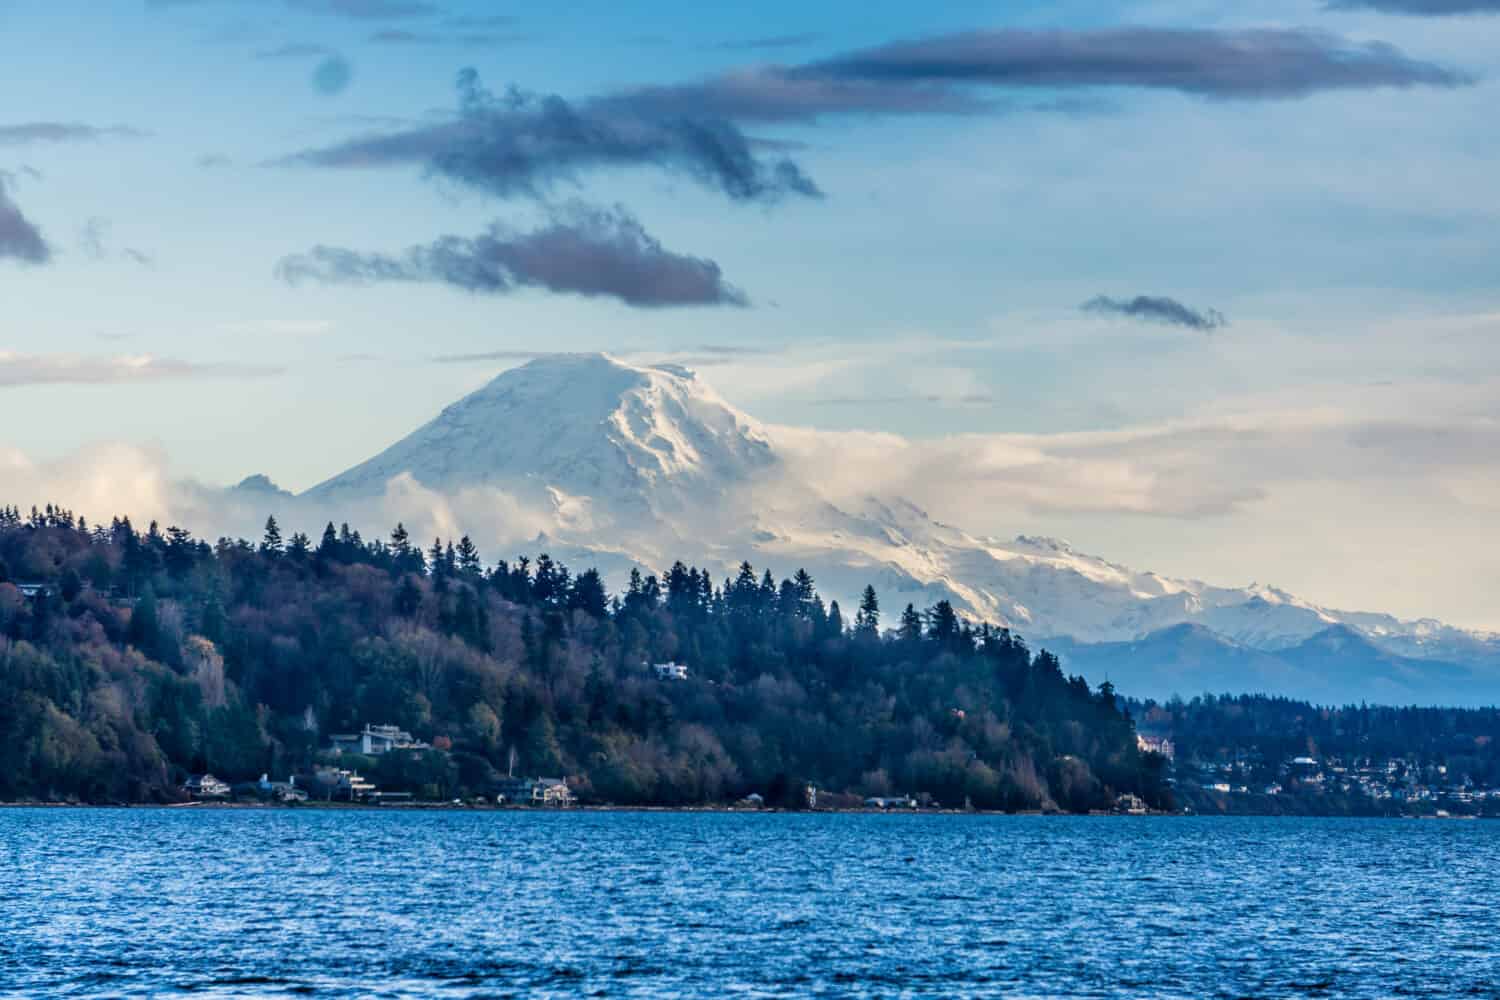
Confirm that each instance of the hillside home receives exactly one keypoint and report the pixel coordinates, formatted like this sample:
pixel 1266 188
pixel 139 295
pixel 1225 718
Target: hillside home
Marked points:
pixel 372 741
pixel 1156 744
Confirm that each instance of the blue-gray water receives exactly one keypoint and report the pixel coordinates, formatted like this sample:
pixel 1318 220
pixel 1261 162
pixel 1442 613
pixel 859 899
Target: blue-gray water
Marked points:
pixel 458 904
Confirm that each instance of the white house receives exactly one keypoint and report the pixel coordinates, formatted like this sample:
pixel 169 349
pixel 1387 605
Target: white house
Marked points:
pixel 206 786
pixel 373 741
pixel 671 671
pixel 534 792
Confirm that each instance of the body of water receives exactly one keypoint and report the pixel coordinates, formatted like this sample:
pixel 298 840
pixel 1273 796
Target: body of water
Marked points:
pixel 256 903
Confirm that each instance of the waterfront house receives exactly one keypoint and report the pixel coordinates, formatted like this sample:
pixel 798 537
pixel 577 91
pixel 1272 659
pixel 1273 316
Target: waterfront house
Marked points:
pixel 336 783
pixel 280 791
pixel 891 802
pixel 372 741
pixel 206 786
pixel 533 792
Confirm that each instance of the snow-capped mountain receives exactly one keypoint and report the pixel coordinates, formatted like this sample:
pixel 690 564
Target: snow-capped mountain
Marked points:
pixel 644 439
pixel 634 465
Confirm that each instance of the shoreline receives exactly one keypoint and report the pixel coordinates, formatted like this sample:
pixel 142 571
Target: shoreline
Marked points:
pixel 523 810
pixel 465 807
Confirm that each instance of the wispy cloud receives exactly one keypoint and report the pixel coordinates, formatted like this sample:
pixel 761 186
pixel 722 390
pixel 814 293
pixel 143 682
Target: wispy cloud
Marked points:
pixel 359 10
pixel 93 241
pixel 692 356
pixel 524 144
pixel 367 10
pixel 485 356
pixel 295 50
pixel 1429 8
pixel 1243 63
pixel 74 369
pixel 469 39
pixel 768 42
pixel 20 239
pixel 983 71
pixel 278 328
pixel 27 133
pixel 582 251
pixel 1157 309
pixel 1209 464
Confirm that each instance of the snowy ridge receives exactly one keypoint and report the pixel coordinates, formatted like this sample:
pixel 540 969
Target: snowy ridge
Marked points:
pixel 579 426
pixel 638 465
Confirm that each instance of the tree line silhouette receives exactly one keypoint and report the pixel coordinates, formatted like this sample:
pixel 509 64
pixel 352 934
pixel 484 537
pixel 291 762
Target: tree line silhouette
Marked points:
pixel 149 655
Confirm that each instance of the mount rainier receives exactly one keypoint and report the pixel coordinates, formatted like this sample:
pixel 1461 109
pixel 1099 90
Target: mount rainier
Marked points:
pixel 617 465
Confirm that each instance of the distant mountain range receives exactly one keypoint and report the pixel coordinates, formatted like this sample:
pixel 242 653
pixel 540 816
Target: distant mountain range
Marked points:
pixel 618 465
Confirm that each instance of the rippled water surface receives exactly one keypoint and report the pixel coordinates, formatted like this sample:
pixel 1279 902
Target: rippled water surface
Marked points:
pixel 465 904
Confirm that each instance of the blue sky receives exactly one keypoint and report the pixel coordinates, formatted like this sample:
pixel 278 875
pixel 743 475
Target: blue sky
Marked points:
pixel 1336 437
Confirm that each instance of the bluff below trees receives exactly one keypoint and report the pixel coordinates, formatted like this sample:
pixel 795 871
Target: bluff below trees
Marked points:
pixel 130 660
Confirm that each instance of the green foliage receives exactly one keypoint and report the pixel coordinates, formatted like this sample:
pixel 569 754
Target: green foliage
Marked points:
pixel 157 655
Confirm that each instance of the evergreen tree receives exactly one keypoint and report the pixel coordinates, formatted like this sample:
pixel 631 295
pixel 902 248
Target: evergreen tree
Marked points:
pixel 328 546
pixel 468 556
pixel 867 619
pixel 271 544
pixel 300 547
pixel 943 624
pixel 910 629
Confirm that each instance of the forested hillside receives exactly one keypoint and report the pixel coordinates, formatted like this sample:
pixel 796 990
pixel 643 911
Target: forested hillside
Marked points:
pixel 130 659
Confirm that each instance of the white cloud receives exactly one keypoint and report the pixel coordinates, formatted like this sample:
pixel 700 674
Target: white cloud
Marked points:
pixel 79 369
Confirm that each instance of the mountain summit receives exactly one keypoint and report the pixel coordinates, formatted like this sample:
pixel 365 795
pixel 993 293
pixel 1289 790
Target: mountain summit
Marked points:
pixel 631 438
pixel 622 465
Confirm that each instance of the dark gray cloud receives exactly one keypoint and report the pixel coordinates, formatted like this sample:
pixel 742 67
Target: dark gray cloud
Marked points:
pixel 1158 309
pixel 20 239
pixel 523 144
pixel 1245 63
pixel 27 133
pixel 982 71
pixel 1427 8
pixel 582 251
